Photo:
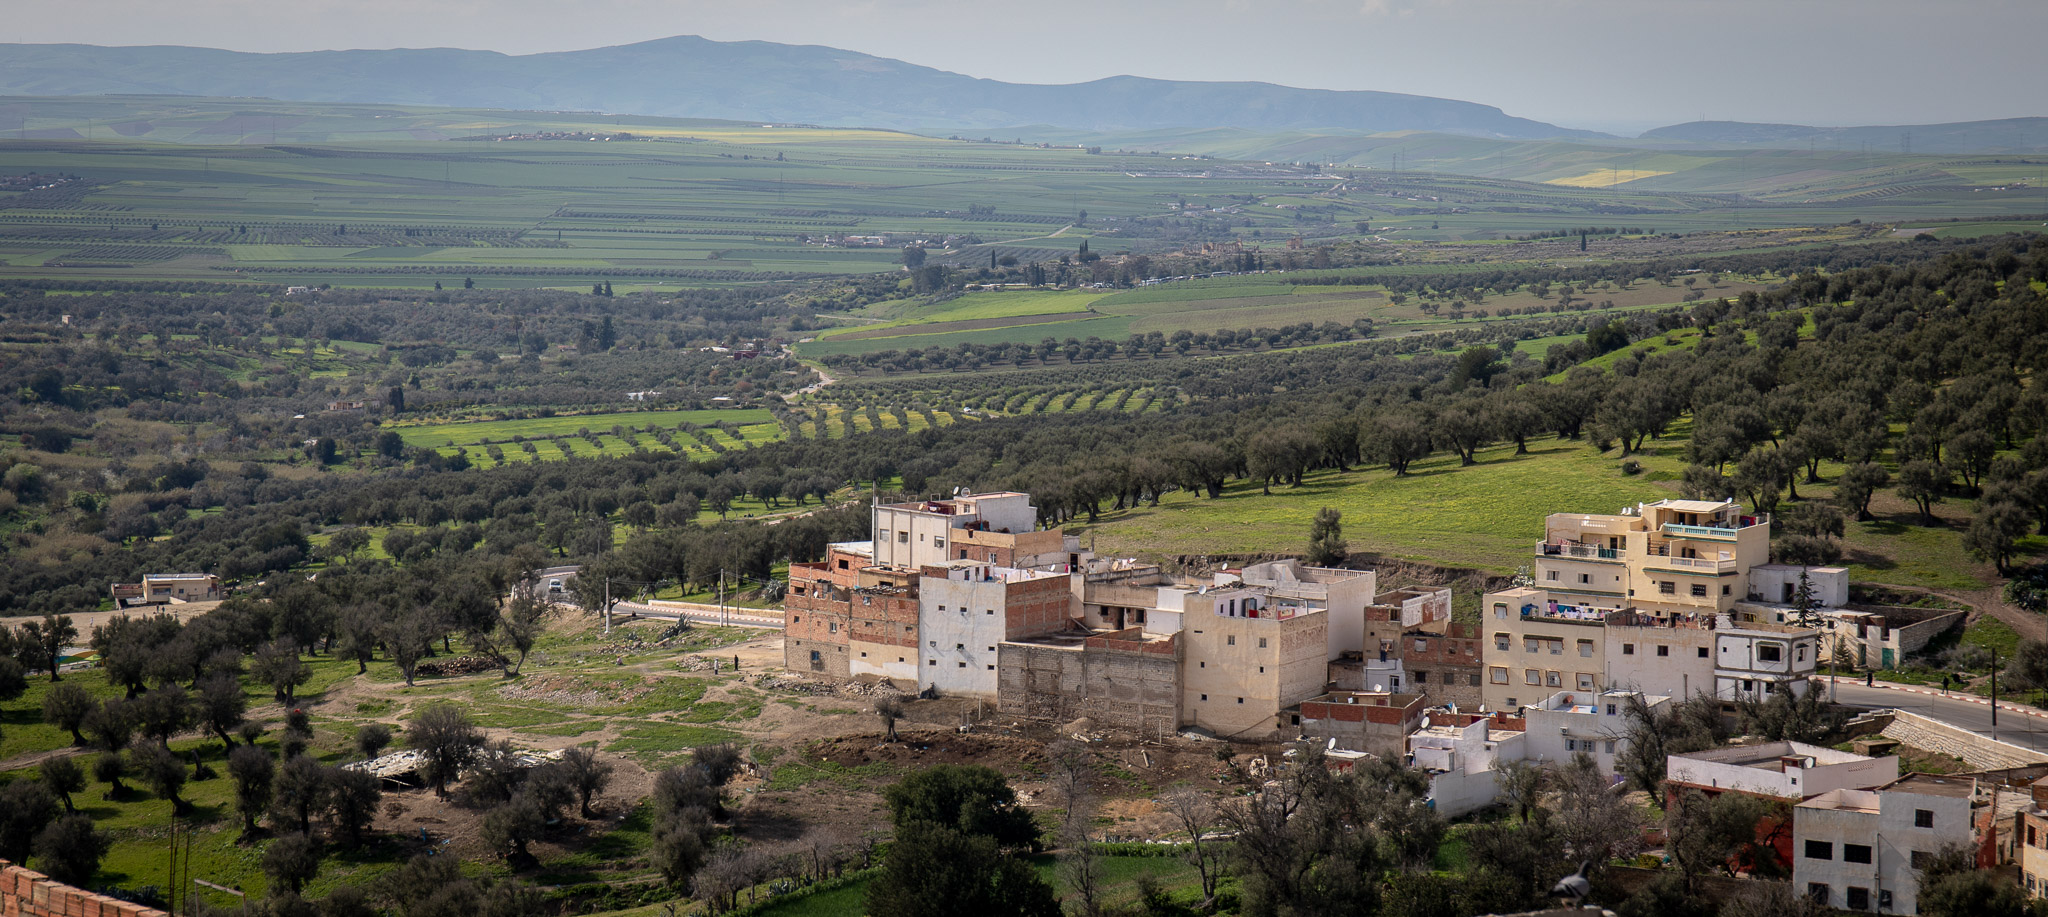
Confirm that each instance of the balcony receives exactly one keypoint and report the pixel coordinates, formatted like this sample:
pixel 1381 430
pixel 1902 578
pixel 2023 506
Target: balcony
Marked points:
pixel 1577 551
pixel 1721 529
pixel 1559 612
pixel 1660 556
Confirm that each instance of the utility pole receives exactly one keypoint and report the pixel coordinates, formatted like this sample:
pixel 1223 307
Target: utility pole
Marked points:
pixel 1994 693
pixel 721 596
pixel 607 604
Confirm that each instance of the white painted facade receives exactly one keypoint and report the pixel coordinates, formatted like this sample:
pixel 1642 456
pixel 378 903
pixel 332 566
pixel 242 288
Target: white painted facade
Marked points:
pixel 1855 849
pixel 916 534
pixel 1756 660
pixel 1570 722
pixel 961 621
pixel 1779 584
pixel 1781 770
pixel 1461 761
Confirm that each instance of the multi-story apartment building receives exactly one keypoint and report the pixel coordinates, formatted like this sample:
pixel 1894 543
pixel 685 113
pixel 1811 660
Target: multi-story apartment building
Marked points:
pixel 966 608
pixel 845 617
pixel 996 528
pixel 1862 850
pixel 1647 599
pixel 1667 557
pixel 1536 646
pixel 1248 657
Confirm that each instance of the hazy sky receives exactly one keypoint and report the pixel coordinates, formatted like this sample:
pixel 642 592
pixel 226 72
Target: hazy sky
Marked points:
pixel 1602 64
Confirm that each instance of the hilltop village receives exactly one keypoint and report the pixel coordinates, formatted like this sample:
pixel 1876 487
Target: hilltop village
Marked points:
pixel 1618 617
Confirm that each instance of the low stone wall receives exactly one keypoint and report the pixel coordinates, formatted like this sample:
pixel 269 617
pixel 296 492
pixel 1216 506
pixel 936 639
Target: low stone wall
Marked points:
pixel 27 893
pixel 1979 751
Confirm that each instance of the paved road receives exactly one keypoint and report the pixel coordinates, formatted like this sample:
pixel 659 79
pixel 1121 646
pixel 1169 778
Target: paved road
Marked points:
pixel 696 614
pixel 2017 728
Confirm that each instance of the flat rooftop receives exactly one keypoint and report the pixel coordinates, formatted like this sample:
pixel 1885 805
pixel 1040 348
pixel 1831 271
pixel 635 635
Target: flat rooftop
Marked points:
pixel 1769 755
pixel 1933 785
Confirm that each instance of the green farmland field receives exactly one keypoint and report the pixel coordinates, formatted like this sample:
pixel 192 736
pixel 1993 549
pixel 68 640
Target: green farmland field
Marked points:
pixel 502 431
pixel 396 196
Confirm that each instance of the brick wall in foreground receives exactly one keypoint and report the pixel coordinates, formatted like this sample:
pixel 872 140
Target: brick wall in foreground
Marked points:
pixel 27 893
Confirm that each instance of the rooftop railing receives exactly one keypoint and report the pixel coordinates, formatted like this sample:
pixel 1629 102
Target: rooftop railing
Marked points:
pixel 1583 551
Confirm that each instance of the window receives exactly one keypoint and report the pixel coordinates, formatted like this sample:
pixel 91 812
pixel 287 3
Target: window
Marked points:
pixel 1724 589
pixel 1556 647
pixel 1531 644
pixel 1770 652
pixel 1628 649
pixel 1820 850
pixel 1857 899
pixel 1421 678
pixel 1262 643
pixel 939 543
pixel 991 649
pixel 1500 642
pixel 1552 576
pixel 1585 682
pixel 932 662
pixel 1663 650
pixel 799 619
pixel 1553 680
pixel 1699 590
pixel 1799 652
pixel 1475 679
pixel 1610 746
pixel 989 612
pixel 1610 709
pixel 1500 610
pixel 1818 891
pixel 1532 677
pixel 1855 853
pixel 962 665
pixel 1240 700
pixel 1231 640
pixel 1703 652
pixel 1668 588
pixel 1205 697
pixel 991 668
pixel 1585 578
pixel 1571 745
pixel 814 656
pixel 1923 818
pixel 1497 675
pixel 1921 859
pixel 832 628
pixel 1586 648
pixel 902 537
pixel 1511 706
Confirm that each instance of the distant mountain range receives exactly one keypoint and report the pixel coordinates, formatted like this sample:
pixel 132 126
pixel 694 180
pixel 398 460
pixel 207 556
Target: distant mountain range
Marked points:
pixel 2007 135
pixel 692 77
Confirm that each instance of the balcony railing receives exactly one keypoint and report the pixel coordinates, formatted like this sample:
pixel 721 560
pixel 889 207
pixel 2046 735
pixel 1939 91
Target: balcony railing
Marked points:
pixel 1584 551
pixel 1721 565
pixel 1723 529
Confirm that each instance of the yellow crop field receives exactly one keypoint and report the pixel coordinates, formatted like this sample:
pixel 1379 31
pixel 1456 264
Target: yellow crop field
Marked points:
pixel 1604 177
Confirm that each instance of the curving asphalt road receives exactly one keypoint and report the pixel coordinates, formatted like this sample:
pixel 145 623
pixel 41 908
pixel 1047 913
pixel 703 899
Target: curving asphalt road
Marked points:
pixel 2025 729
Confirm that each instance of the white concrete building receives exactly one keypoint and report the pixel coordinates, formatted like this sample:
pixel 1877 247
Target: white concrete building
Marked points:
pixel 1461 759
pixel 1569 722
pixel 1777 770
pixel 915 534
pixel 1752 661
pixel 1861 850
pixel 966 612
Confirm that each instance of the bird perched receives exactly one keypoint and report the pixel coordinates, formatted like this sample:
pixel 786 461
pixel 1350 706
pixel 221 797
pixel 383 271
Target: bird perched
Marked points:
pixel 1574 886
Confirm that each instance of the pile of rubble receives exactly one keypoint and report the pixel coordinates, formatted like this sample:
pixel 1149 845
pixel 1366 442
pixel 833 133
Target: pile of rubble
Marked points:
pixel 403 766
pixel 460 665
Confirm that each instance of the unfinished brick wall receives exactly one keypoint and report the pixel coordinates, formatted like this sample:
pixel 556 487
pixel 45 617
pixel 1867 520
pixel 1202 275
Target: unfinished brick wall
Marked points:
pixel 1124 684
pixel 27 893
